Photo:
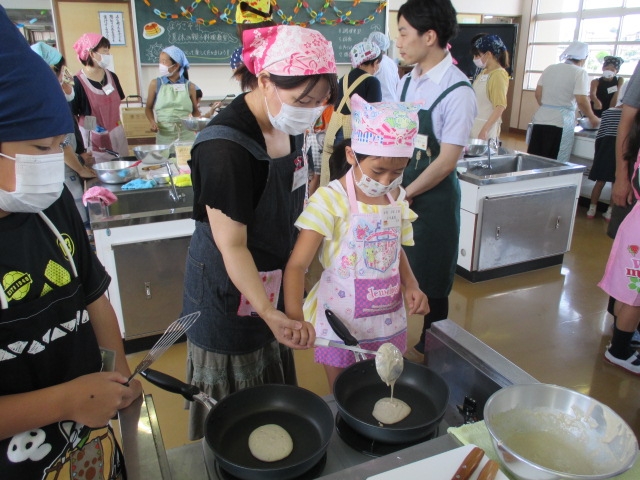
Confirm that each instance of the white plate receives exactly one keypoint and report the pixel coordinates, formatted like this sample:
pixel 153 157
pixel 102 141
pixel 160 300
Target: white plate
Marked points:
pixel 149 37
pixel 438 467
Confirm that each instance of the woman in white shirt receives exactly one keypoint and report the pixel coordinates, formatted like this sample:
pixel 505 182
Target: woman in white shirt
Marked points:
pixel 561 88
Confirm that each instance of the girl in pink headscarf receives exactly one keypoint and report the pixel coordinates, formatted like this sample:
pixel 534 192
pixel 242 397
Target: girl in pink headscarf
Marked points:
pixel 97 96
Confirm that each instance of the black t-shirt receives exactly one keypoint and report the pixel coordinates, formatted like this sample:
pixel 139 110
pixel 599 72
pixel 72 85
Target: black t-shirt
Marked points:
pixel 31 261
pixel 370 89
pixel 225 175
pixel 80 103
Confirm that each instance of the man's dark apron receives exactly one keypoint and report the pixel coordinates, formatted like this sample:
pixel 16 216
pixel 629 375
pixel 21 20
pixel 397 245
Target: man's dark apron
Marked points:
pixel 436 232
pixel 208 288
pixel 43 343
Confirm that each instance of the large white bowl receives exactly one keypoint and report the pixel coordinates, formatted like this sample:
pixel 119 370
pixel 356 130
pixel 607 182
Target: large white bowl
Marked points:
pixel 547 432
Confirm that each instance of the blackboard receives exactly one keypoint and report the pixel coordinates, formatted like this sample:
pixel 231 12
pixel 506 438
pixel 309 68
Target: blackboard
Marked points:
pixel 461 45
pixel 214 44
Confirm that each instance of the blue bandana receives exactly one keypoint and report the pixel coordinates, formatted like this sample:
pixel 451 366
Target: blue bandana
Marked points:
pixel 177 56
pixel 615 61
pixel 236 58
pixel 32 104
pixel 491 43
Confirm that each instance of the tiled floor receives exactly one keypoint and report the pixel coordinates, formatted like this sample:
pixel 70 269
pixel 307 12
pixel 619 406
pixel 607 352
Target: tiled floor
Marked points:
pixel 552 323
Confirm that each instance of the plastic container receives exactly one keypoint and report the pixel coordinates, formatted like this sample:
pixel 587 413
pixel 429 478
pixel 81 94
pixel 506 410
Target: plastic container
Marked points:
pixel 183 155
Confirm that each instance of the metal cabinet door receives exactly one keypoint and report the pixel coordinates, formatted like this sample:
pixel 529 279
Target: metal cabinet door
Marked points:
pixel 524 226
pixel 150 281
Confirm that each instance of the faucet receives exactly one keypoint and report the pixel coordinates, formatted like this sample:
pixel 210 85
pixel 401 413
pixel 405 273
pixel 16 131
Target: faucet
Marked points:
pixel 173 192
pixel 491 141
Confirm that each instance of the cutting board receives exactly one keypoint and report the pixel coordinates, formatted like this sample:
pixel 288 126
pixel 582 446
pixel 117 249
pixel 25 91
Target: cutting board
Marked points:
pixel 438 467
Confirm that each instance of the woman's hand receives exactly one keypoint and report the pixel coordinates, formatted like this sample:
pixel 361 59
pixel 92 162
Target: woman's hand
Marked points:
pixel 416 300
pixel 94 399
pixel 292 333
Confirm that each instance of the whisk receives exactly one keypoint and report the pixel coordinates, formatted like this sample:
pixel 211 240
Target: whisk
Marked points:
pixel 168 338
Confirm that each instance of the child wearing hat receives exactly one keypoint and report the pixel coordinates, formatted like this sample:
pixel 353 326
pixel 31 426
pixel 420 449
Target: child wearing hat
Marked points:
pixel 360 220
pixel 605 90
pixel 56 396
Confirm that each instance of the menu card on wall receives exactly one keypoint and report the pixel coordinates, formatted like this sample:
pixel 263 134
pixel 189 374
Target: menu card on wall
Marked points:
pixel 112 27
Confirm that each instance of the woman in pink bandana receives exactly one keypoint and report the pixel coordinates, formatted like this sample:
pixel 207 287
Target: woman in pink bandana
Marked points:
pixel 249 179
pixel 98 94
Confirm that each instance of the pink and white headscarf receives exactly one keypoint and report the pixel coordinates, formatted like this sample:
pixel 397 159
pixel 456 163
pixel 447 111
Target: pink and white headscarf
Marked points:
pixel 287 50
pixel 384 129
pixel 85 44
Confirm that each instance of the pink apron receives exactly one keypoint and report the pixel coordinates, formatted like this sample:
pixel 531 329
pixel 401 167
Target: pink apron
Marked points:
pixel 106 108
pixel 362 284
pixel 621 278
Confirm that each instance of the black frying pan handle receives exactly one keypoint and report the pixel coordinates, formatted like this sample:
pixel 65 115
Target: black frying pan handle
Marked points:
pixel 340 328
pixel 170 384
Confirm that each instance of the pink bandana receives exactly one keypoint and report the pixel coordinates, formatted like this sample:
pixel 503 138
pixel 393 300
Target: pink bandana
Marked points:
pixel 385 129
pixel 287 50
pixel 85 44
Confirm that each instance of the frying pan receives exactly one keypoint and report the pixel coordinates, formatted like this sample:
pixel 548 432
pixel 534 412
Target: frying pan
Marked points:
pixel 303 414
pixel 359 387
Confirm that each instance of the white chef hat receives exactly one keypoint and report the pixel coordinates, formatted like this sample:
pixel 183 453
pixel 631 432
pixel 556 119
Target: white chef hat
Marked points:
pixel 575 51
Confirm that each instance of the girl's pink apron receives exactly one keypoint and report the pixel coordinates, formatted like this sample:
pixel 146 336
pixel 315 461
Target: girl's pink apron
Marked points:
pixel 362 284
pixel 621 277
pixel 106 109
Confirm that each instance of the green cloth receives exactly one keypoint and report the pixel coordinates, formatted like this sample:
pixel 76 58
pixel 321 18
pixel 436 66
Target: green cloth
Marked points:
pixel 477 434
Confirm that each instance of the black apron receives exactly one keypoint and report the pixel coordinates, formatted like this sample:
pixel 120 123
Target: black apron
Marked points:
pixel 44 343
pixel 436 231
pixel 209 289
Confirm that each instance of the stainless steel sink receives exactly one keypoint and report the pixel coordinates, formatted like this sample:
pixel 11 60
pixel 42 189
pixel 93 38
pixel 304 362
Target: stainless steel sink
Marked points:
pixel 136 207
pixel 512 167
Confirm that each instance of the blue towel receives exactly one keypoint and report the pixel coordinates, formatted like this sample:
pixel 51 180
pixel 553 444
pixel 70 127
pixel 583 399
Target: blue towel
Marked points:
pixel 139 183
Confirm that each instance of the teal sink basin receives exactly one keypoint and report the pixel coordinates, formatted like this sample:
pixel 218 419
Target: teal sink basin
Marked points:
pixel 512 167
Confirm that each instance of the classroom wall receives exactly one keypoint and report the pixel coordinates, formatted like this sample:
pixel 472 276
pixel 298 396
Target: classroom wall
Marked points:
pixel 215 80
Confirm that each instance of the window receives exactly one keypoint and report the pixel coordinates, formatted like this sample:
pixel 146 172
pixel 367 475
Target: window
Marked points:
pixel 612 30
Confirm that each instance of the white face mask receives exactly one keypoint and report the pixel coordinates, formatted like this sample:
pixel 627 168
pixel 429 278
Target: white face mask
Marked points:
pixel 39 183
pixel 294 120
pixel 373 188
pixel 164 70
pixel 106 61
pixel 608 74
pixel 478 62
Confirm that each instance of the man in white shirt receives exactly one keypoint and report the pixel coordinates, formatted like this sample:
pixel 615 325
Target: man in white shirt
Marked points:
pixel 387 74
pixel 425 27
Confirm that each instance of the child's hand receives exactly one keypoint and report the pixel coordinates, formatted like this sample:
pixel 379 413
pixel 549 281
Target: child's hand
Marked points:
pixel 95 398
pixel 416 301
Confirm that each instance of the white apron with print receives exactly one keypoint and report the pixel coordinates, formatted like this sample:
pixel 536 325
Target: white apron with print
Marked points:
pixel 485 109
pixel 362 283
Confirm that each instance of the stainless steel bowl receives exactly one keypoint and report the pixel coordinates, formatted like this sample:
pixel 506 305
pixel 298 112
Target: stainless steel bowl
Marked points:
pixel 195 124
pixel 546 432
pixel 116 171
pixel 152 154
pixel 476 147
pixel 585 124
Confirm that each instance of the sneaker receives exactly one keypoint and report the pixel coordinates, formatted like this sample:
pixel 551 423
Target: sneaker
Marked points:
pixel 635 340
pixel 631 364
pixel 591 213
pixel 607 215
